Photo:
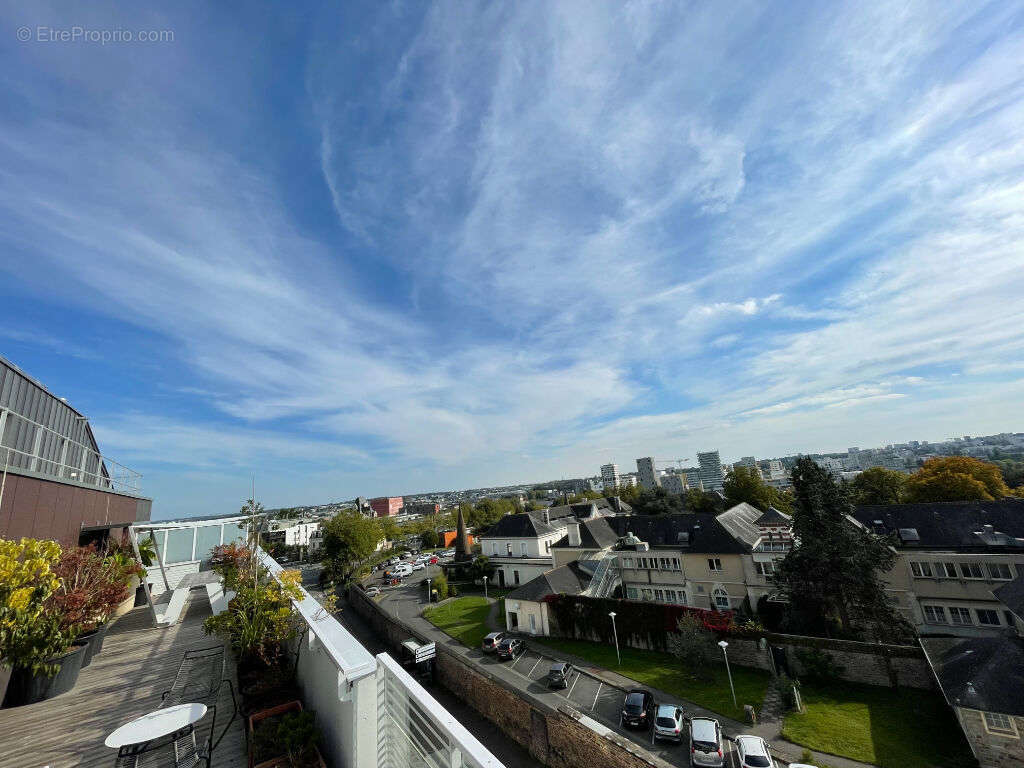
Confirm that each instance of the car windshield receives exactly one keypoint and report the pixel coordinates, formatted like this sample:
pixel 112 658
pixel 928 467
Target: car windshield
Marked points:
pixel 667 722
pixel 756 761
pixel 635 701
pixel 557 670
pixel 705 746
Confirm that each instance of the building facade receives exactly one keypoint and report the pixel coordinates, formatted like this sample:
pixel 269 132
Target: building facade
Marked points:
pixel 647 473
pixel 56 483
pixel 610 476
pixel 386 506
pixel 711 475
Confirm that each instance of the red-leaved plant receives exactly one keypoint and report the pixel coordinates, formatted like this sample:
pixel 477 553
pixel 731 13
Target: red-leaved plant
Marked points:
pixel 91 587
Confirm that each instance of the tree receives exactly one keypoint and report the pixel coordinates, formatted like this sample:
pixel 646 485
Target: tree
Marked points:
pixel 658 502
pixel 696 500
pixel 429 539
pixel 692 643
pixel 956 478
pixel 481 567
pixel 878 485
pixel 835 571
pixel 1013 472
pixel 349 538
pixel 744 484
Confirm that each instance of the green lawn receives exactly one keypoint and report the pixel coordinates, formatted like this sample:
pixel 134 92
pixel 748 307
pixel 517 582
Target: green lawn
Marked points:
pixel 662 671
pixel 464 618
pixel 892 728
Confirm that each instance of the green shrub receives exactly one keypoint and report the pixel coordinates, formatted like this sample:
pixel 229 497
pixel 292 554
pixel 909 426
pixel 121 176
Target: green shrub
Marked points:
pixel 819 665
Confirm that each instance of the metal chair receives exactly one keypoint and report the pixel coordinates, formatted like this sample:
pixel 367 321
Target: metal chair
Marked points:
pixel 199 679
pixel 180 751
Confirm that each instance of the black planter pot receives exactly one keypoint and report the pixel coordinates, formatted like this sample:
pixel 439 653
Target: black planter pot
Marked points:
pixel 93 642
pixel 101 634
pixel 5 678
pixel 26 688
pixel 140 595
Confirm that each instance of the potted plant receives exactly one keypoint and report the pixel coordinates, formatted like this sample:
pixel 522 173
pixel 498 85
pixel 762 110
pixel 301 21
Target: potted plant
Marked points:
pixel 284 736
pixel 89 589
pixel 121 559
pixel 34 640
pixel 258 624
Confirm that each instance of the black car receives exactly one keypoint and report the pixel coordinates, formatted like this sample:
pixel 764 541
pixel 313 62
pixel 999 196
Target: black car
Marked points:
pixel 511 648
pixel 558 675
pixel 638 709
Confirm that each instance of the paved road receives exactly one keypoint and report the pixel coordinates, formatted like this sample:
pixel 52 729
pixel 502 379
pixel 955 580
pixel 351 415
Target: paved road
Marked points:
pixel 505 749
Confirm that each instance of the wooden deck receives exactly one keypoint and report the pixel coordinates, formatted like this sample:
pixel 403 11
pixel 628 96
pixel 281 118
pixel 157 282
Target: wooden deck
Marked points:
pixel 137 664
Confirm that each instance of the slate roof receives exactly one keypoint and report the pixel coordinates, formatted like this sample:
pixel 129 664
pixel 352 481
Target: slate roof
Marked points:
pixel 1011 595
pixel 984 673
pixel 566 580
pixel 521 525
pixel 772 516
pixel 949 524
pixel 595 533
pixel 706 534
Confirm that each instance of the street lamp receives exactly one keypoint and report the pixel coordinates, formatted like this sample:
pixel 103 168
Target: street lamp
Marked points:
pixel 615 634
pixel 427 582
pixel 485 587
pixel 723 645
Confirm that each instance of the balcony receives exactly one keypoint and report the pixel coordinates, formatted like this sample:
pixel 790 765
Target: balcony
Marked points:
pixel 371 713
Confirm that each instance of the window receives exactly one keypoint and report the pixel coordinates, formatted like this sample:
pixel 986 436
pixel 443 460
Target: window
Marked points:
pixel 972 571
pixel 944 570
pixel 547 547
pixel 935 614
pixel 522 549
pixel 508 548
pixel 960 616
pixel 675 563
pixel 632 593
pixel 659 595
pixel 987 618
pixel 765 569
pixel 999 571
pixel 921 569
pixel 627 562
pixel 681 597
pixel 663 561
pixel 714 564
pixel 999 723
pixel 515 576
pixel 720 598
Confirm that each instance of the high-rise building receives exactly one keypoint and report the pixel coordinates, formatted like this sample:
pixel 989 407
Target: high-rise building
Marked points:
pixel 674 483
pixel 746 461
pixel 610 476
pixel 711 470
pixel 648 476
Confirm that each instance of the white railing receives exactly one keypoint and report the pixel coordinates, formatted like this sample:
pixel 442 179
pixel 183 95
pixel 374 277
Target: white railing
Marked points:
pixel 57 455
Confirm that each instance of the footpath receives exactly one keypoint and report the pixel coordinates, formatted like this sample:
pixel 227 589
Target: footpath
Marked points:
pixel 408 608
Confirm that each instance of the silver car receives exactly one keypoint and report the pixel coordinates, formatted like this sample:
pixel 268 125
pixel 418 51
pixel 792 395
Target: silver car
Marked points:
pixel 668 723
pixel 706 743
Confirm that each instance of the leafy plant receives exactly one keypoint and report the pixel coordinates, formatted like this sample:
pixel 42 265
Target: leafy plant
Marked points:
pixel 819 665
pixel 30 631
pixel 90 587
pixel 692 643
pixel 294 733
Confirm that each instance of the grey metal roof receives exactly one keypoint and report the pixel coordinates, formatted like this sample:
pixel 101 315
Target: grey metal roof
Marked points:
pixel 772 516
pixel 521 525
pixel 705 534
pixel 595 533
pixel 949 524
pixel 741 522
pixel 984 673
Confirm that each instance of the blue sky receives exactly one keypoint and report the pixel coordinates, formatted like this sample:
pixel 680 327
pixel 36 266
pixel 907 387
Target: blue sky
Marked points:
pixel 398 247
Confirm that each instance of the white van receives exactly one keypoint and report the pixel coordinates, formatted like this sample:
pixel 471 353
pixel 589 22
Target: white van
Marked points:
pixel 403 569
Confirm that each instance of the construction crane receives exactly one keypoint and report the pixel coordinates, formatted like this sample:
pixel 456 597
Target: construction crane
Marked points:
pixel 672 461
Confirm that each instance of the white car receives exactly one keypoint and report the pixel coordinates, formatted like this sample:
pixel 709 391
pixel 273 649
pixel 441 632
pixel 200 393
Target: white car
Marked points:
pixel 418 566
pixel 372 591
pixel 668 723
pixel 752 752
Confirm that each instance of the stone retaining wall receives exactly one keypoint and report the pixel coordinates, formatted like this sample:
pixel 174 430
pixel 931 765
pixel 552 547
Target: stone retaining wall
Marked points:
pixel 558 738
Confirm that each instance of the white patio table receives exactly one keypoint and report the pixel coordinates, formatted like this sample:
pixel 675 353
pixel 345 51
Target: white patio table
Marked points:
pixel 154 725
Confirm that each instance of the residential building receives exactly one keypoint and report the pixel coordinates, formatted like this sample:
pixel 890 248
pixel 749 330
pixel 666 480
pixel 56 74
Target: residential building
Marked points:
pixel 982 679
pixel 386 506
pixel 711 474
pixel 951 555
pixel 610 476
pixel 420 508
pixel 526 609
pixel 628 481
pixel 648 475
pixel 767 536
pixel 292 533
pixel 673 482
pixel 747 461
pixel 56 483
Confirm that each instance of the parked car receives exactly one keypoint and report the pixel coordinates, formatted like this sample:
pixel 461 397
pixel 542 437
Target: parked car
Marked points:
pixel 558 675
pixel 638 709
pixel 511 648
pixel 752 752
pixel 418 566
pixel 668 723
pixel 394 581
pixel 432 561
pixel 490 643
pixel 373 591
pixel 706 743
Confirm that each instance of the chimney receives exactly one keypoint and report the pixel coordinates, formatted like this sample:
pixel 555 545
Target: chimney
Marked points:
pixel 617 504
pixel 574 534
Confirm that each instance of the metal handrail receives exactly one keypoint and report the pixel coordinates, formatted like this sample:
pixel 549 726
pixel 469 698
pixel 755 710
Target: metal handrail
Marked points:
pixel 92 468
